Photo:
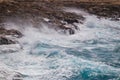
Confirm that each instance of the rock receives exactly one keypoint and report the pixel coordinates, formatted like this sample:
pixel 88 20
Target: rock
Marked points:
pixel 71 21
pixel 6 41
pixel 69 28
pixel 36 12
pixel 17 76
pixel 71 31
pixel 100 9
pixel 12 32
pixel 2 30
pixel 4 33
pixel 105 10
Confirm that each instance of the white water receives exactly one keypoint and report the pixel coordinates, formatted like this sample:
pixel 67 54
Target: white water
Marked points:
pixel 48 55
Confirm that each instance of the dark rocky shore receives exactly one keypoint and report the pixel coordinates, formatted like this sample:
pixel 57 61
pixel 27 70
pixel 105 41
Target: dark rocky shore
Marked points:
pixel 4 33
pixel 50 13
pixel 104 10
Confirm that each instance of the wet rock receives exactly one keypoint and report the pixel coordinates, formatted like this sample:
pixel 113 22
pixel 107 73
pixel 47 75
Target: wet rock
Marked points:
pixel 6 36
pixel 6 41
pixel 108 11
pixel 2 30
pixel 69 28
pixel 36 12
pixel 71 21
pixel 101 10
pixel 12 32
pixel 18 76
pixel 71 31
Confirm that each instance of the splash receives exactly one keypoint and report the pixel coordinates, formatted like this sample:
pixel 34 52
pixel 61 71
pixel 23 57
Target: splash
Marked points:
pixel 90 54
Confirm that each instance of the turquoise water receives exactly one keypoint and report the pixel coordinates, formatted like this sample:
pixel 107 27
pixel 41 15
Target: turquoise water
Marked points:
pixel 93 53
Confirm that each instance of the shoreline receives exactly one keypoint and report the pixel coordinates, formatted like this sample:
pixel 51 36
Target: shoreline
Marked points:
pixel 50 12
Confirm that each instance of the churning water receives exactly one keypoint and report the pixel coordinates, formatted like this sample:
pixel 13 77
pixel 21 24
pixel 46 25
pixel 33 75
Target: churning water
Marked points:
pixel 93 53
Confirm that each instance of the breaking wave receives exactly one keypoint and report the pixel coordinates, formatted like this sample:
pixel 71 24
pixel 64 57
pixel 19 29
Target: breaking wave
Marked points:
pixel 93 53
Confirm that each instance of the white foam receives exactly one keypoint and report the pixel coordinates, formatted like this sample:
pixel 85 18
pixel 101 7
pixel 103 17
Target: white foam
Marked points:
pixel 38 66
pixel 9 48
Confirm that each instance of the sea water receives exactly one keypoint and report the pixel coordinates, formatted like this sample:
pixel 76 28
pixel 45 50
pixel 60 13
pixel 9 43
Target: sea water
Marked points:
pixel 92 53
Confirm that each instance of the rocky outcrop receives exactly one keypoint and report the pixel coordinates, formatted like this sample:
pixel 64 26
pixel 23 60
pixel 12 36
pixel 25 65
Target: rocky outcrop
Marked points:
pixel 35 11
pixel 4 40
pixel 100 9
pixel 105 11
pixel 12 32
pixel 23 11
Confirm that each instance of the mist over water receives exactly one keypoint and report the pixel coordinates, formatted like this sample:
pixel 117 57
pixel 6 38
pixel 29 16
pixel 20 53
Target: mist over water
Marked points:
pixel 93 53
